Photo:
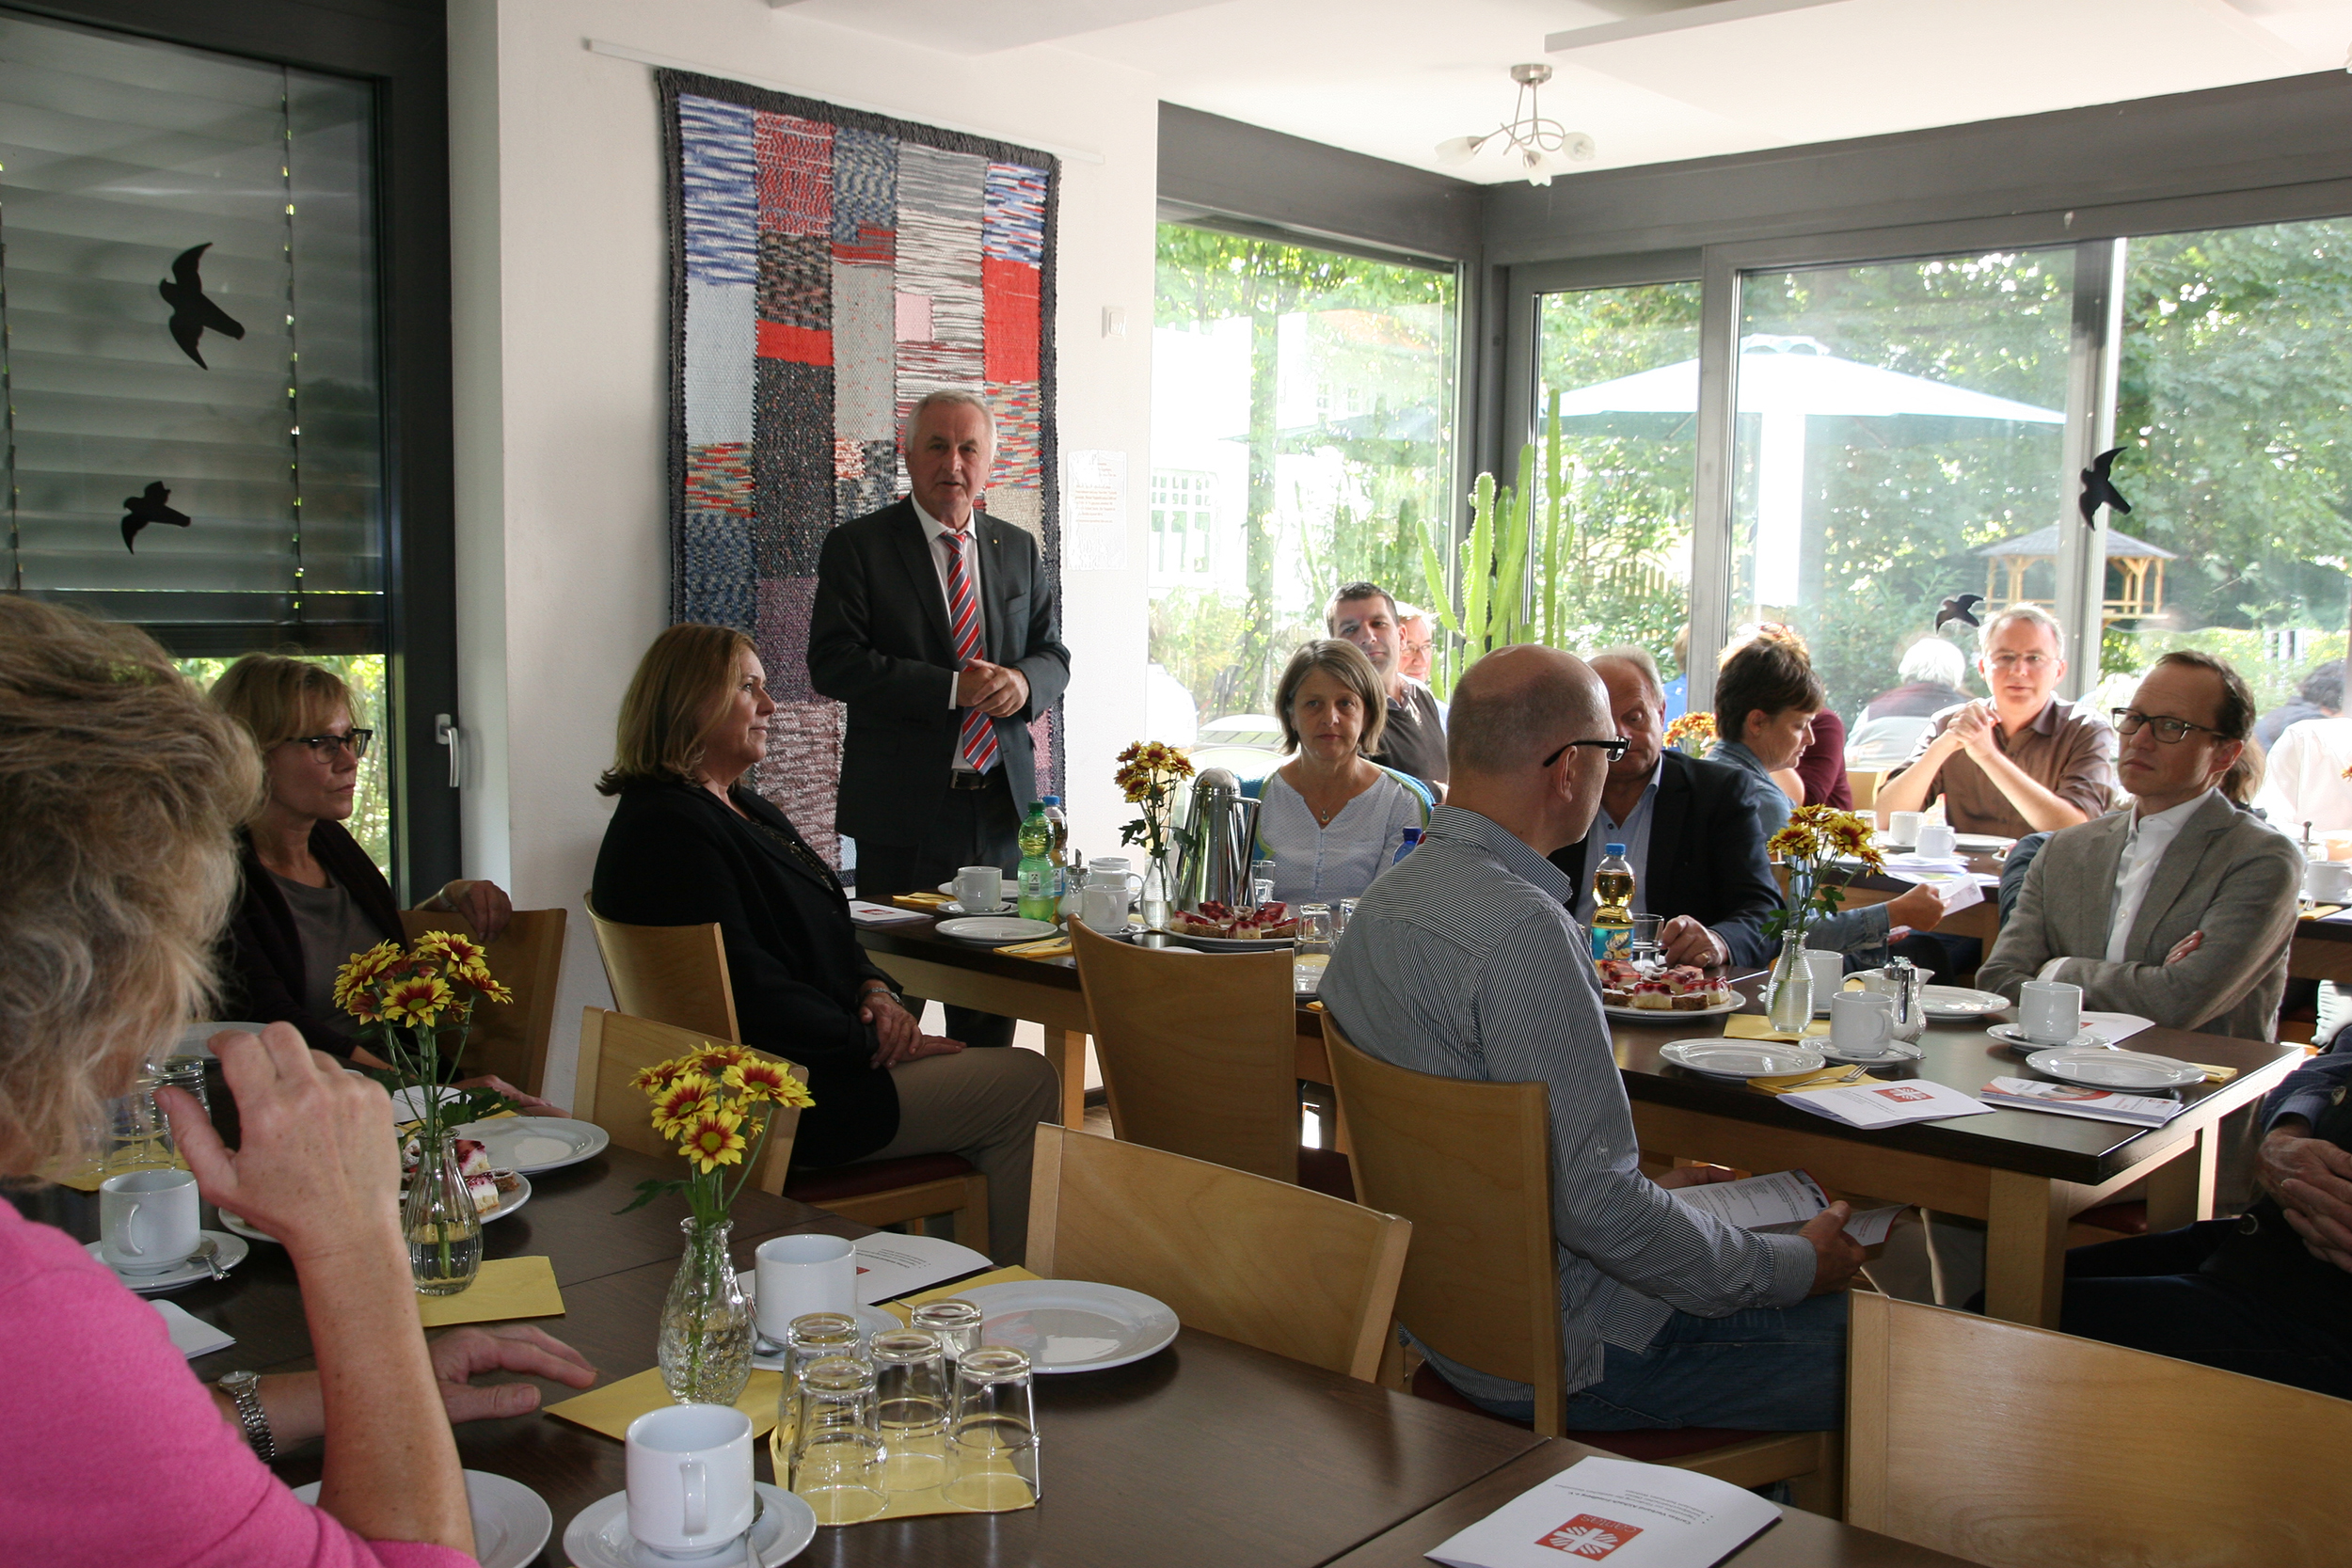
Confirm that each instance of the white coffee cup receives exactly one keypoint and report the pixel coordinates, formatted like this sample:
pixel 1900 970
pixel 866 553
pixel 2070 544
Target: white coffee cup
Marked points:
pixel 798 1275
pixel 980 888
pixel 147 1219
pixel 690 1476
pixel 1829 975
pixel 1103 908
pixel 2328 881
pixel 2049 1012
pixel 1903 826
pixel 1861 1023
pixel 1936 840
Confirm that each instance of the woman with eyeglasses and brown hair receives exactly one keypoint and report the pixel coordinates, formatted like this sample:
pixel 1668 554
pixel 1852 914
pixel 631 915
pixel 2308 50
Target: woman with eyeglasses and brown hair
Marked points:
pixel 311 897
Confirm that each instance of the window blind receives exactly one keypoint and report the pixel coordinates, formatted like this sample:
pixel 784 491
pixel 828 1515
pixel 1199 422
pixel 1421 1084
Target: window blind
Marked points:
pixel 159 205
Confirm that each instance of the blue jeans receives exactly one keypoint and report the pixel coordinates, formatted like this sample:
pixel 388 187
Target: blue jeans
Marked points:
pixel 1767 1369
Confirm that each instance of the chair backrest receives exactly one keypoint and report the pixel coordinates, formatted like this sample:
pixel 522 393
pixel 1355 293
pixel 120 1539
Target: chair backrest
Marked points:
pixel 1198 1053
pixel 1470 1163
pixel 2001 1443
pixel 614 1048
pixel 528 959
pixel 670 973
pixel 1290 1270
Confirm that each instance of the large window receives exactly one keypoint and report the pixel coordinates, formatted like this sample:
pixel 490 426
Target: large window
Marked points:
pixel 1302 436
pixel 1899 442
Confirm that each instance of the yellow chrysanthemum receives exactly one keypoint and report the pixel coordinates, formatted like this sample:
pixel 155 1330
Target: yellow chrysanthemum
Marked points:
pixel 361 1005
pixel 686 1097
pixel 476 978
pixel 760 1081
pixel 660 1075
pixel 418 999
pixel 712 1138
pixel 362 970
pixel 462 952
pixel 713 1060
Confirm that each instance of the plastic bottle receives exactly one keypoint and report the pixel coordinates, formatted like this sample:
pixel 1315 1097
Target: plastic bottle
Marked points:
pixel 1412 837
pixel 1040 893
pixel 1060 822
pixel 1613 905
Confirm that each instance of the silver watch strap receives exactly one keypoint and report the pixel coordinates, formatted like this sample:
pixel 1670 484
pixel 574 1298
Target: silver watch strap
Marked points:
pixel 244 1391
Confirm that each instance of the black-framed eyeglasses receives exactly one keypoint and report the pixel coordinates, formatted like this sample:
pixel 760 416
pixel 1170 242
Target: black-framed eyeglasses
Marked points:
pixel 1613 749
pixel 2129 721
pixel 324 747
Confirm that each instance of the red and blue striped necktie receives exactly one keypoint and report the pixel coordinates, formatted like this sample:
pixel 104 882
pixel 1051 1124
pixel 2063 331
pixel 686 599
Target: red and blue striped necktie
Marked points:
pixel 977 741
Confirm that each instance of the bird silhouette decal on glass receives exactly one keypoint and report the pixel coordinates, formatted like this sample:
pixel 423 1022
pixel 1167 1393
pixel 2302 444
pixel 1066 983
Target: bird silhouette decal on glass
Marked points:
pixel 2098 489
pixel 191 313
pixel 1960 607
pixel 147 507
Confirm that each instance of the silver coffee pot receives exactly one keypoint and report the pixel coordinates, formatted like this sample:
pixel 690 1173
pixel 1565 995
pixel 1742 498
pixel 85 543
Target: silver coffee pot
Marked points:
pixel 1216 836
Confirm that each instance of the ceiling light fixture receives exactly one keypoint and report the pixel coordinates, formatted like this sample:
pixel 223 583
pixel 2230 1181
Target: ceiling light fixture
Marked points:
pixel 1528 144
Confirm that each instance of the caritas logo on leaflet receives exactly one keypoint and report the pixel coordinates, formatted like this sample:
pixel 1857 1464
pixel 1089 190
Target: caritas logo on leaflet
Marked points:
pixel 1589 1537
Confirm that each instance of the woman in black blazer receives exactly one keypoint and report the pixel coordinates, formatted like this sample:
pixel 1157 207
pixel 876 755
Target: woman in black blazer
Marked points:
pixel 691 844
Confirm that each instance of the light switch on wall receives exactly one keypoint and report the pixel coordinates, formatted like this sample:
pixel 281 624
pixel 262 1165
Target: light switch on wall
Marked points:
pixel 1114 321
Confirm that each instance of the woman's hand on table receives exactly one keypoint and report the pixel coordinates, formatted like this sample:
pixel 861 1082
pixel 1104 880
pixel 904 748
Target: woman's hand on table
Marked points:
pixel 461 1352
pixel 482 902
pixel 1836 1255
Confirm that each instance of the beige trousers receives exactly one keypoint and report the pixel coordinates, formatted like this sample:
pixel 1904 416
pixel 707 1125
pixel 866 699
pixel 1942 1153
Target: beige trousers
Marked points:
pixel 985 1105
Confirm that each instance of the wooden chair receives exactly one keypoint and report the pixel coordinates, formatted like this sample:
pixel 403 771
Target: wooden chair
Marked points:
pixel 1470 1163
pixel 677 974
pixel 528 959
pixel 1266 1262
pixel 614 1048
pixel 1200 1056
pixel 2001 1443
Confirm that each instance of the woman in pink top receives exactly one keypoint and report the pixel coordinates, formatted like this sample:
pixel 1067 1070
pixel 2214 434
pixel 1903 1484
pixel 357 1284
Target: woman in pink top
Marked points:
pixel 120 786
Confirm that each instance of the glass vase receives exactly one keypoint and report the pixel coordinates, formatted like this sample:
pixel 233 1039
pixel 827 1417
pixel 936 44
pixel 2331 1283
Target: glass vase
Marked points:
pixel 438 1216
pixel 1159 884
pixel 1790 1008
pixel 706 1349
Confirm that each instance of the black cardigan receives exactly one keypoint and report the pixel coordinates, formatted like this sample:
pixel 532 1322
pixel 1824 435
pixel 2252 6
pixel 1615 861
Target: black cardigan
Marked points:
pixel 263 976
pixel 674 855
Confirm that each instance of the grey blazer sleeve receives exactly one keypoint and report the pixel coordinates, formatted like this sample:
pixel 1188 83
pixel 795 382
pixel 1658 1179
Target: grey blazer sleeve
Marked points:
pixel 2025 942
pixel 1044 662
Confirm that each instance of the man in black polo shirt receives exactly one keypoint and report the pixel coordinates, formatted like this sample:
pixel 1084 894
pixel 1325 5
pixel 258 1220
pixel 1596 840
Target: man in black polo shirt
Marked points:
pixel 1413 741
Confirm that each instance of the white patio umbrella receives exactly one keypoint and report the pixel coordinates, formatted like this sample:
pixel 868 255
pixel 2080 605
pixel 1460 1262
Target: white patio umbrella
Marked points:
pixel 1784 381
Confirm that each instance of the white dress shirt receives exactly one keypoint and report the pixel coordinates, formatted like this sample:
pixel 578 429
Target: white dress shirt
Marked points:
pixel 2143 851
pixel 2304 781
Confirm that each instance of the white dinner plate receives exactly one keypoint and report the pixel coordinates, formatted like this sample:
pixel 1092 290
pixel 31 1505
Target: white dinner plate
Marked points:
pixel 532 1144
pixel 952 907
pixel 511 1522
pixel 1008 890
pixel 1896 1054
pixel 599 1537
pixel 185 1271
pixel 1669 1015
pixel 1982 844
pixel 992 930
pixel 1230 945
pixel 1071 1325
pixel 2024 1044
pixel 1742 1059
pixel 2101 1066
pixel 508 1203
pixel 1959 1004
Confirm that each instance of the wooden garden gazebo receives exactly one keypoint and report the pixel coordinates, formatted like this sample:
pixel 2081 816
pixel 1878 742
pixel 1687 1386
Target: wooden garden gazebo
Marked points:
pixel 2139 564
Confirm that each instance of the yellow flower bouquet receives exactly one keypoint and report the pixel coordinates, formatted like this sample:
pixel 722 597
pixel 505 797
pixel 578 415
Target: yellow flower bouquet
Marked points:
pixel 1149 773
pixel 1697 727
pixel 715 1104
pixel 1814 839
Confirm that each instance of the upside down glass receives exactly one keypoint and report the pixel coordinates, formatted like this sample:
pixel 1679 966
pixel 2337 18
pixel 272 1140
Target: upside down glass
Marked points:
pixel 911 1397
pixel 812 1336
pixel 1312 953
pixel 837 1451
pixel 993 1442
pixel 955 1322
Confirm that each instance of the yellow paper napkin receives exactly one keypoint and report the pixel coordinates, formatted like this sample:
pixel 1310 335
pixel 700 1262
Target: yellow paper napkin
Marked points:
pixel 1045 947
pixel 903 1310
pixel 610 1408
pixel 1826 1078
pixel 506 1288
pixel 2321 911
pixel 85 1178
pixel 1756 1026
pixel 921 900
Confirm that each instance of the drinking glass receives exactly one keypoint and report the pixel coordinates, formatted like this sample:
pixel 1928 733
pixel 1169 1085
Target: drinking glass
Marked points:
pixel 1261 883
pixel 993 1442
pixel 811 1337
pixel 910 1398
pixel 955 1322
pixel 1312 951
pixel 137 1136
pixel 837 1451
pixel 1342 912
pixel 1646 928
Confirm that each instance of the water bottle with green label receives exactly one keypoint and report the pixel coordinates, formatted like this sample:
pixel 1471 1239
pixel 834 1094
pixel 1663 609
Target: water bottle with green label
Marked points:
pixel 1041 886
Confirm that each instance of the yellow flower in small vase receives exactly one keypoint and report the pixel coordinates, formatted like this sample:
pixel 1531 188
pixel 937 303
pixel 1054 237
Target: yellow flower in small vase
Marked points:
pixel 758 1080
pixel 712 1137
pixel 418 1001
pixel 686 1098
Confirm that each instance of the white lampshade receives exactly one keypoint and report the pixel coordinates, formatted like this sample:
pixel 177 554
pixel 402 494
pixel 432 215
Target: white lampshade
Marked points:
pixel 1455 151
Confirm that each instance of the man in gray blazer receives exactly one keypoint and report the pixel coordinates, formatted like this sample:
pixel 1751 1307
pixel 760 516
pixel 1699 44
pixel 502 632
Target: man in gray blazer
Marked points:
pixel 2181 906
pixel 939 627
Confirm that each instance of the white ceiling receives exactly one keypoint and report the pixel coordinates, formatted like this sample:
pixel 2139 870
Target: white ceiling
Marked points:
pixel 1394 77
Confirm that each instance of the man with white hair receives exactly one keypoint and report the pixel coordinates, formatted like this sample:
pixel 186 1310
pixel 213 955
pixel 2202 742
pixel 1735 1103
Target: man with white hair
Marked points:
pixel 940 628
pixel 1930 672
pixel 2028 761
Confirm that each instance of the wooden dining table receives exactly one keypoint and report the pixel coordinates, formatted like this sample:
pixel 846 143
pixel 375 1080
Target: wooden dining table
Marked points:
pixel 2025 1174
pixel 1208 1451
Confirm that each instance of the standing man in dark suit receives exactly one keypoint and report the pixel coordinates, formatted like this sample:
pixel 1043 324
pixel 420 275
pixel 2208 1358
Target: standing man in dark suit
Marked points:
pixel 1688 828
pixel 939 627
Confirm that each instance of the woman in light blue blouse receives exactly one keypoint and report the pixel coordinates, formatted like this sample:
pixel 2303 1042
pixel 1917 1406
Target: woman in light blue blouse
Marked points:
pixel 1332 819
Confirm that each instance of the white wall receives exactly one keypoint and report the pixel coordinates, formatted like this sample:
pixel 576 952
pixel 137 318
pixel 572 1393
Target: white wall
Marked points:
pixel 561 322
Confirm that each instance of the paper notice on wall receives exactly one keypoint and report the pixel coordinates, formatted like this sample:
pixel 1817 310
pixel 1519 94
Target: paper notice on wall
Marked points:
pixel 1094 529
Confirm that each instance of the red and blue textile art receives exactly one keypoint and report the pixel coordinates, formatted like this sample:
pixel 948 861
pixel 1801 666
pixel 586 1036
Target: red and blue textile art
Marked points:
pixel 829 267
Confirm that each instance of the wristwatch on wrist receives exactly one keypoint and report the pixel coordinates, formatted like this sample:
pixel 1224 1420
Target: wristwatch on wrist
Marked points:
pixel 244 1391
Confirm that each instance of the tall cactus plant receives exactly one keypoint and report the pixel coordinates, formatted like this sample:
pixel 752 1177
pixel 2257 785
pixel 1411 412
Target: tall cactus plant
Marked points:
pixel 1495 605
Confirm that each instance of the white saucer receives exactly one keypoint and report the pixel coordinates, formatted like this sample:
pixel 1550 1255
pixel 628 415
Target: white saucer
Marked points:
pixel 1672 1015
pixel 185 1271
pixel 1959 1004
pixel 511 1522
pixel 954 908
pixel 2101 1066
pixel 1896 1054
pixel 599 1537
pixel 534 1144
pixel 1072 1326
pixel 2017 1039
pixel 1008 888
pixel 989 930
pixel 1741 1059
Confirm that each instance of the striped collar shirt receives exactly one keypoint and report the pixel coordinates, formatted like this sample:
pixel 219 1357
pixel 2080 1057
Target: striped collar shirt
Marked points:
pixel 1463 961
